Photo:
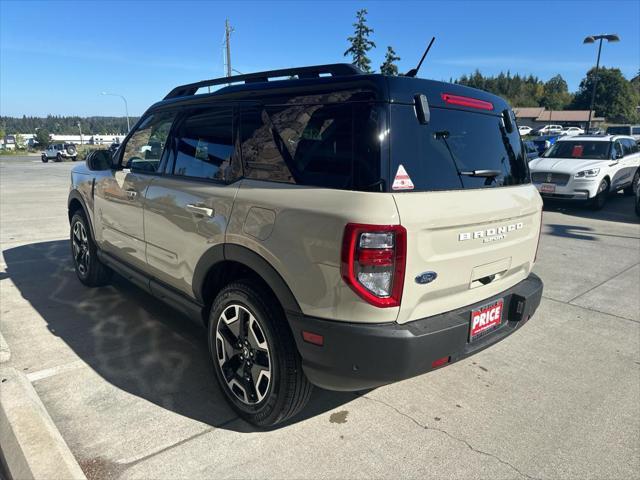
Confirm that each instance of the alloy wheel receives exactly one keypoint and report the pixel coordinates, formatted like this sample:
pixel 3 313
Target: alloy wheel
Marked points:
pixel 80 242
pixel 243 354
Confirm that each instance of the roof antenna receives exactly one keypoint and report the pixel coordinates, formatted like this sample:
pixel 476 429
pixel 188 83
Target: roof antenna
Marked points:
pixel 414 71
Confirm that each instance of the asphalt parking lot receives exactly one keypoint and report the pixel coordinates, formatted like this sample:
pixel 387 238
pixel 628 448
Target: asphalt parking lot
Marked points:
pixel 128 382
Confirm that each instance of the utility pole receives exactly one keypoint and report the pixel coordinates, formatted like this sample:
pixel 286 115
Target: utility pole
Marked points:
pixel 80 128
pixel 227 36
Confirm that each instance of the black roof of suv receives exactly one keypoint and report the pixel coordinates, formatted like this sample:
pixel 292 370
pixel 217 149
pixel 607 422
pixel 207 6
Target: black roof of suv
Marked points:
pixel 332 77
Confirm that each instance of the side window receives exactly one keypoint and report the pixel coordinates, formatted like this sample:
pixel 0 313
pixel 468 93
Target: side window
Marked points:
pixel 205 145
pixel 617 148
pixel 316 145
pixel 143 150
pixel 631 146
pixel 635 131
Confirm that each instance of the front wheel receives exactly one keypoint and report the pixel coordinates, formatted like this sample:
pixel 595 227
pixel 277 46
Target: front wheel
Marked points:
pixel 44 159
pixel 631 189
pixel 254 355
pixel 89 269
pixel 601 197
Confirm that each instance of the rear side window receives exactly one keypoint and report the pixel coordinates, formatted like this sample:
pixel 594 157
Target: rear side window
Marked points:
pixel 328 145
pixel 436 155
pixel 205 144
pixel 635 131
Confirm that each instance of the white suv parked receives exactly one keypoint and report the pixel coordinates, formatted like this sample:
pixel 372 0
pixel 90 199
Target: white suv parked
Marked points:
pixel 587 168
pixel 549 130
pixel 59 152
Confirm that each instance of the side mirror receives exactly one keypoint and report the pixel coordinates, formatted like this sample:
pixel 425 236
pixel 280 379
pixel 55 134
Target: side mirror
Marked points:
pixel 99 160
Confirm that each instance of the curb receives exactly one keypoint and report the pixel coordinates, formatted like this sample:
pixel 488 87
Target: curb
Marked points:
pixel 32 447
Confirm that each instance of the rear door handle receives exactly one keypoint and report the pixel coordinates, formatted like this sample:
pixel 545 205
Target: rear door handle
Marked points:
pixel 200 210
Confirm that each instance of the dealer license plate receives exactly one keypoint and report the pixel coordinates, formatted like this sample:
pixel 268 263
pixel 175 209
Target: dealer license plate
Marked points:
pixel 485 319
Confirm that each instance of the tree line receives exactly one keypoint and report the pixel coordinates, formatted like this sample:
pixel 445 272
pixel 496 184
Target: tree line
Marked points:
pixel 65 125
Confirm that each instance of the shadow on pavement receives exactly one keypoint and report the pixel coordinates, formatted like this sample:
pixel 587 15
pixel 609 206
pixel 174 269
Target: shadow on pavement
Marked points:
pixel 132 339
pixel 619 208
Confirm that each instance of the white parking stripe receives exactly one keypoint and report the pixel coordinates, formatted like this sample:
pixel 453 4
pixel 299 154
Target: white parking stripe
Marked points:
pixel 50 372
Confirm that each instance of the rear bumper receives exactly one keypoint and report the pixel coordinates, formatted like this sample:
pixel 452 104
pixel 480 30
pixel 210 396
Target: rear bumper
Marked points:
pixel 360 356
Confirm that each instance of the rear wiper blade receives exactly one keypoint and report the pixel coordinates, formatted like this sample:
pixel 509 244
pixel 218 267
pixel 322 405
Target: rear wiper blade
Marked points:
pixel 482 173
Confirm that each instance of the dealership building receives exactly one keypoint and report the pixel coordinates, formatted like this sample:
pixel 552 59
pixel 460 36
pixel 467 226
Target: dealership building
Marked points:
pixel 536 117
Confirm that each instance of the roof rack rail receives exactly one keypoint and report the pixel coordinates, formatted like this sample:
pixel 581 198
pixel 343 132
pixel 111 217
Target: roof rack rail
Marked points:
pixel 335 69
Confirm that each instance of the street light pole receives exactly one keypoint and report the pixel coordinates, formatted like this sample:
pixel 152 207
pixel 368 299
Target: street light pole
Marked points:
pixel 126 107
pixel 591 39
pixel 80 128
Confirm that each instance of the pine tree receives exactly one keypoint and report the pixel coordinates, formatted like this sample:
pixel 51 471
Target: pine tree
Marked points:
pixel 360 43
pixel 389 67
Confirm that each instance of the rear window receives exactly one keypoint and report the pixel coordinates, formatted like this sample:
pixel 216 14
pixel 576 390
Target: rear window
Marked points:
pixel 619 130
pixel 455 141
pixel 580 149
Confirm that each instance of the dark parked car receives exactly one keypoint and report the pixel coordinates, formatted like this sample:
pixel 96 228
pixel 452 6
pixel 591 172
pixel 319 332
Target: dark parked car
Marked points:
pixel 531 150
pixel 545 141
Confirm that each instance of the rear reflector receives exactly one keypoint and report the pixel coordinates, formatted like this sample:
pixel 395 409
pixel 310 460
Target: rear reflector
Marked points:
pixel 466 101
pixel 440 362
pixel 314 338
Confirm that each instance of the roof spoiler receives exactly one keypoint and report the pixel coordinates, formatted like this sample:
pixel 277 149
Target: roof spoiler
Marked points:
pixel 335 70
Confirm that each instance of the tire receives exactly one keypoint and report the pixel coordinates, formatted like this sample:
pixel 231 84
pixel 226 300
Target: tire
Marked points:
pixel 89 269
pixel 631 189
pixel 44 159
pixel 58 158
pixel 73 159
pixel 601 198
pixel 245 312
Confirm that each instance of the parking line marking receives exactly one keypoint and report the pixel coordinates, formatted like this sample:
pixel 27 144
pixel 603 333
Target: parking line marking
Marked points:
pixel 50 372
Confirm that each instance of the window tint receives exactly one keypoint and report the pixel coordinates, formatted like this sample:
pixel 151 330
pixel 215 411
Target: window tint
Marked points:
pixel 144 148
pixel 629 146
pixel 455 140
pixel 332 145
pixel 205 144
pixel 618 149
pixel 635 131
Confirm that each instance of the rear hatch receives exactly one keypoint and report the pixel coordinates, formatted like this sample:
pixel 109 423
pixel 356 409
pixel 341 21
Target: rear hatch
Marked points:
pixel 472 217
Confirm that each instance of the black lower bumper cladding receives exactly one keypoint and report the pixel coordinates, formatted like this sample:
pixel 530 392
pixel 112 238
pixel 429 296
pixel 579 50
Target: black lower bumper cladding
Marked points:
pixel 357 356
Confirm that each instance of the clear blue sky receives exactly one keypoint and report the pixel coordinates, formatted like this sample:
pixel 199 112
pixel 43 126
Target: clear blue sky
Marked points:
pixel 55 56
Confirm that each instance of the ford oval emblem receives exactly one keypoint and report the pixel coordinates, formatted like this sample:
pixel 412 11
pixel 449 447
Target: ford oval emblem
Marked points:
pixel 426 277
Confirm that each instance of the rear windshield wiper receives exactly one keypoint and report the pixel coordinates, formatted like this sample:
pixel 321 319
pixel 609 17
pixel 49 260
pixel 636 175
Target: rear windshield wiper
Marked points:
pixel 482 173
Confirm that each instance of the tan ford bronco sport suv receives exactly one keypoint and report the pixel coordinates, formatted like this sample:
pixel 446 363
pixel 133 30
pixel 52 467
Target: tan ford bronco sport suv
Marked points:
pixel 327 227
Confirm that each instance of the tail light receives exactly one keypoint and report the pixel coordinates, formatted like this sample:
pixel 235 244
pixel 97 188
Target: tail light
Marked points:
pixel 466 101
pixel 373 262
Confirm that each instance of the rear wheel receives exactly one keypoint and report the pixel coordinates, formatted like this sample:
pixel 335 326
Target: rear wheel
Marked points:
pixel 631 189
pixel 58 158
pixel 73 159
pixel 89 269
pixel 44 158
pixel 601 197
pixel 254 355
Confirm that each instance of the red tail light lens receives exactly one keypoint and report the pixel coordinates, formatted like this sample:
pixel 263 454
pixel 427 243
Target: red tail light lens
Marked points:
pixel 466 101
pixel 373 262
